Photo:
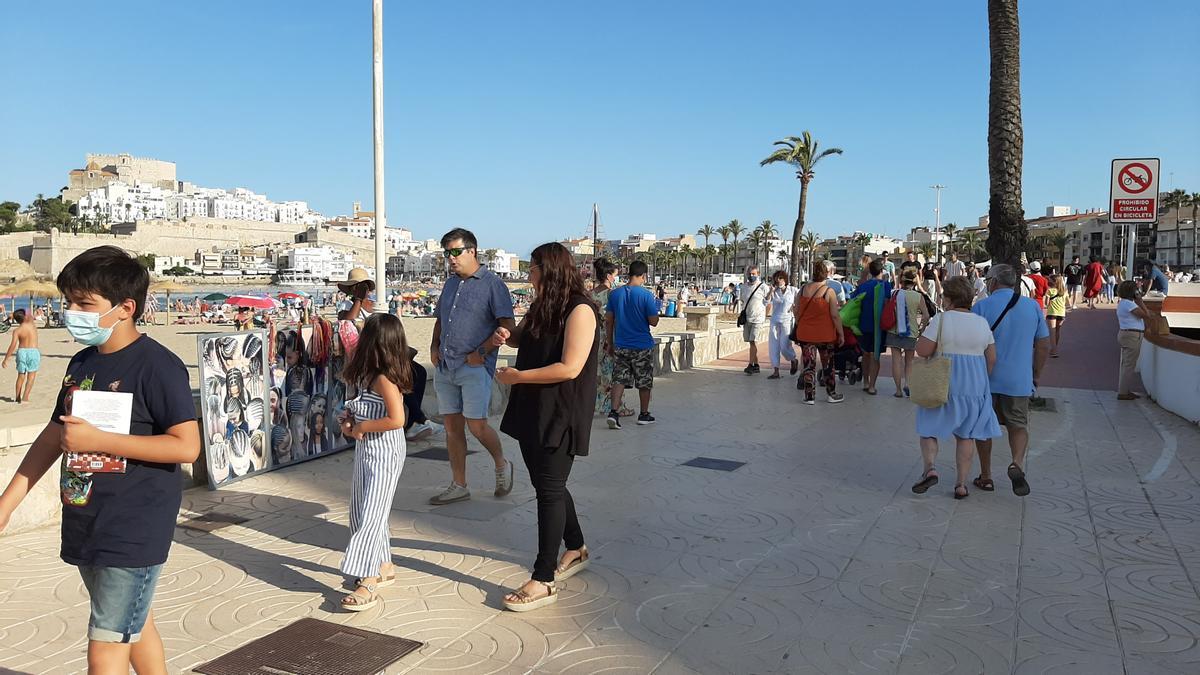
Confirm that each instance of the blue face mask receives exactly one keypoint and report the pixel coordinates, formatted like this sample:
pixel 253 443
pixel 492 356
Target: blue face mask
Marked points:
pixel 85 327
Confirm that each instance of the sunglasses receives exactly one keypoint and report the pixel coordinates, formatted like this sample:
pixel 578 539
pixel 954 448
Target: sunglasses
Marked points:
pixel 454 252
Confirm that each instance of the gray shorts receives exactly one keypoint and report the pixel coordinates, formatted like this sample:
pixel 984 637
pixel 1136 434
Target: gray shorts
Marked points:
pixel 633 368
pixel 754 332
pixel 1011 411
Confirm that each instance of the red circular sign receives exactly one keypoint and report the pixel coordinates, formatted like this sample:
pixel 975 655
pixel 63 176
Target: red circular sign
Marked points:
pixel 1132 182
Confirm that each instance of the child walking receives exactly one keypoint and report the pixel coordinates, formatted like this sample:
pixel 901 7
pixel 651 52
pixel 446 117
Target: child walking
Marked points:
pixel 381 372
pixel 1056 311
pixel 120 492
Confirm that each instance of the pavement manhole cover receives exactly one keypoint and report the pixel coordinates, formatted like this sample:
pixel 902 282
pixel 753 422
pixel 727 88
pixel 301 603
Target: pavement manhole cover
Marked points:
pixel 714 464
pixel 314 647
pixel 438 452
pixel 212 521
pixel 1039 404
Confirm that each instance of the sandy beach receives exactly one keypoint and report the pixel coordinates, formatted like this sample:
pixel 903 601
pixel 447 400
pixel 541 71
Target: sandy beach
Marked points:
pixel 58 348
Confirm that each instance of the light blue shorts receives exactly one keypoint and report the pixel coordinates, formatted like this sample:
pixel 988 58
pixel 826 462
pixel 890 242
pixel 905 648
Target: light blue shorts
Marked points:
pixel 29 359
pixel 465 390
pixel 121 598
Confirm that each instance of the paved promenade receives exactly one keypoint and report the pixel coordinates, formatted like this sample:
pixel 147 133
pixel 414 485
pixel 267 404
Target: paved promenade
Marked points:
pixel 811 557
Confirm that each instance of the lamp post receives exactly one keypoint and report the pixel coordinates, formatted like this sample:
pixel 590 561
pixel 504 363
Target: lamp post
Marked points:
pixel 937 211
pixel 377 128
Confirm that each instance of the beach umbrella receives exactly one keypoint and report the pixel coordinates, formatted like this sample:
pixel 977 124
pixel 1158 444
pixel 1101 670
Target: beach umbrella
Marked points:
pixel 289 295
pixel 34 287
pixel 168 286
pixel 253 301
pixel 216 297
pixel 521 291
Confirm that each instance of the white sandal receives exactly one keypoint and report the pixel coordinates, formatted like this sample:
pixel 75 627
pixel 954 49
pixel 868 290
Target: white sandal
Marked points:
pixel 574 567
pixel 527 604
pixel 353 602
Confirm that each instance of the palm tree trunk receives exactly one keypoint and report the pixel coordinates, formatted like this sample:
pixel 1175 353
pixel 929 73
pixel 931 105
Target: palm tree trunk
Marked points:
pixel 797 231
pixel 1006 229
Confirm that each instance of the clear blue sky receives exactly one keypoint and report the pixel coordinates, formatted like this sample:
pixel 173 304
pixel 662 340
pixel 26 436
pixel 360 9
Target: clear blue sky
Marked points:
pixel 512 118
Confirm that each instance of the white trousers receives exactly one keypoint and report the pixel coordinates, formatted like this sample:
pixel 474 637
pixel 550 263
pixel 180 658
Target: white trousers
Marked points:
pixel 780 341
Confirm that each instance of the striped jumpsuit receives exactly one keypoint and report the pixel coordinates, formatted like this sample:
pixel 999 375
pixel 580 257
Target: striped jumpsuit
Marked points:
pixel 378 460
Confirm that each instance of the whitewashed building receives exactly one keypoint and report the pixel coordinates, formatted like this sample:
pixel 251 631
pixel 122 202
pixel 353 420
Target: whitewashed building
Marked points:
pixel 321 262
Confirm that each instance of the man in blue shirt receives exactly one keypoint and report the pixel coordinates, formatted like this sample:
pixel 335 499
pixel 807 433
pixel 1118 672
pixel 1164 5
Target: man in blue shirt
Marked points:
pixel 1022 345
pixel 474 302
pixel 1154 279
pixel 632 310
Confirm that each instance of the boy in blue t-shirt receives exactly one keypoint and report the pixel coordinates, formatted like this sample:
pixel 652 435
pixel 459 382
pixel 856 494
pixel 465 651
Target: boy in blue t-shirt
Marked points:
pixel 121 498
pixel 632 310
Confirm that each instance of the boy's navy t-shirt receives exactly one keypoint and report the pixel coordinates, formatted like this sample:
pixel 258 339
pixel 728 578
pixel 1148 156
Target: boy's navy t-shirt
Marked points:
pixel 632 307
pixel 126 520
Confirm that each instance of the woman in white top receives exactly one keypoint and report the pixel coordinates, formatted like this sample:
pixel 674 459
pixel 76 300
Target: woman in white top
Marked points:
pixel 911 318
pixel 1131 318
pixel 783 297
pixel 966 339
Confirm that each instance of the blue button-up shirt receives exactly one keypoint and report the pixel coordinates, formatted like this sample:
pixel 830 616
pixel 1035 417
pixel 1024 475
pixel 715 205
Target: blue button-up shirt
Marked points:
pixel 469 311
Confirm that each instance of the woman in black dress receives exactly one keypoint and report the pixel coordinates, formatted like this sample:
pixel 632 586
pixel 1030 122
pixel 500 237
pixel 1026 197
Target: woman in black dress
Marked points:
pixel 550 411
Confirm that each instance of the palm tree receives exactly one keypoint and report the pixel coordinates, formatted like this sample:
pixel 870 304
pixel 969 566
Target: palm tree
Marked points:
pixel 801 153
pixel 685 254
pixel 725 233
pixel 1060 242
pixel 768 231
pixel 950 229
pixel 735 231
pixel 707 231
pixel 1194 199
pixel 1176 199
pixel 927 250
pixel 971 244
pixel 1006 140
pixel 755 240
pixel 810 242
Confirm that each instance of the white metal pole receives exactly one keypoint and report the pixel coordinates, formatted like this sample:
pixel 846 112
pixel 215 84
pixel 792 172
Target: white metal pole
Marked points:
pixel 937 227
pixel 381 300
pixel 1132 229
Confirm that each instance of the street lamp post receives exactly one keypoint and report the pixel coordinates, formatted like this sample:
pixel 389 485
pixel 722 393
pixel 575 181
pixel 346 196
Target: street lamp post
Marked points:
pixel 377 127
pixel 937 211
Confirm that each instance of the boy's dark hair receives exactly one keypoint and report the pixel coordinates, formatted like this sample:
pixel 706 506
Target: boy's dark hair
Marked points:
pixel 108 272
pixel 343 315
pixel 19 316
pixel 637 268
pixel 468 239
pixel 875 267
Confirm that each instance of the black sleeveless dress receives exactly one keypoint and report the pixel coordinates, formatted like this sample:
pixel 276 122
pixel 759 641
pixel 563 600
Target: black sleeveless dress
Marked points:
pixel 553 416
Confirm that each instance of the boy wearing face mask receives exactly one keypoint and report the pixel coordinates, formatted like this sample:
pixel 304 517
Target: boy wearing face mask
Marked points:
pixel 121 500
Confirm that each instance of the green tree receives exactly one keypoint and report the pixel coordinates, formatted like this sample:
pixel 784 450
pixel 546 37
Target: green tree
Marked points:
pixel 754 242
pixel 971 244
pixel 707 232
pixel 735 231
pixel 950 229
pixel 801 153
pixel 927 250
pixel 809 240
pixel 725 233
pixel 1006 141
pixel 8 215
pixel 1060 242
pixel 1176 199
pixel 146 260
pixel 767 231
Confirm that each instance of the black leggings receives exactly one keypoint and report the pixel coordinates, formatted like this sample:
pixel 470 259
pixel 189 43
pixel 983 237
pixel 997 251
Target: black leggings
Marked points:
pixel 412 400
pixel 557 523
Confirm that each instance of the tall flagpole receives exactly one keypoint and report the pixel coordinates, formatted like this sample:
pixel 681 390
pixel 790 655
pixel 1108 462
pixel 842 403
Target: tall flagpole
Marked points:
pixel 381 300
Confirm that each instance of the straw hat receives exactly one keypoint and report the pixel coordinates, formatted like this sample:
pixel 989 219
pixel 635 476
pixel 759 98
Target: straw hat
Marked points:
pixel 357 276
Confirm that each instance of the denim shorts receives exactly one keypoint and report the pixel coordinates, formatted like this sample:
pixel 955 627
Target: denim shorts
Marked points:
pixel 465 390
pixel 121 598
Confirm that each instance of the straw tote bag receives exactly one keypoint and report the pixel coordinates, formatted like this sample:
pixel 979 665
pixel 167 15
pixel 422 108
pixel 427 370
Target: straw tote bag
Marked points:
pixel 929 380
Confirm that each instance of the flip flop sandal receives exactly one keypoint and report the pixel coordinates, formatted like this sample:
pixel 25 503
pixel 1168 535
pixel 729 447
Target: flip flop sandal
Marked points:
pixel 527 604
pixel 795 366
pixel 384 581
pixel 929 480
pixel 985 484
pixel 964 494
pixel 898 394
pixel 773 376
pixel 574 567
pixel 353 602
pixel 1020 486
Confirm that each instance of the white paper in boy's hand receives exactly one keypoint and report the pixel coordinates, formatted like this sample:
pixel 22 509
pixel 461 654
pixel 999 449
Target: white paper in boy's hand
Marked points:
pixel 106 410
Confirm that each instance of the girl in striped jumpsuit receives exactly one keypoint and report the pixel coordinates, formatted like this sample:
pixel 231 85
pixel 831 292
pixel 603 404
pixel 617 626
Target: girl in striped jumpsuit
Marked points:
pixel 381 372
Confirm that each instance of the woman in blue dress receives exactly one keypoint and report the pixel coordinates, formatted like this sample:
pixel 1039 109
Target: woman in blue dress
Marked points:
pixel 966 339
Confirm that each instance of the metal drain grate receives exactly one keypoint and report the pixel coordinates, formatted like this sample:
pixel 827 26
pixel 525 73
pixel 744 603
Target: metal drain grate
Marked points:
pixel 714 464
pixel 438 452
pixel 211 521
pixel 314 647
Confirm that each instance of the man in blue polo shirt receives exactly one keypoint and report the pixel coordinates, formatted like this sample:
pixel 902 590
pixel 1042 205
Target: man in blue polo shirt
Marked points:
pixel 474 302
pixel 632 310
pixel 1022 345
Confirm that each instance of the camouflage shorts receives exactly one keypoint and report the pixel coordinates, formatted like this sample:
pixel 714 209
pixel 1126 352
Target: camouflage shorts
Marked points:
pixel 633 368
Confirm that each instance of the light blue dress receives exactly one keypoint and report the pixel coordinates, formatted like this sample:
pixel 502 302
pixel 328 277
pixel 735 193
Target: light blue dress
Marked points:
pixel 968 411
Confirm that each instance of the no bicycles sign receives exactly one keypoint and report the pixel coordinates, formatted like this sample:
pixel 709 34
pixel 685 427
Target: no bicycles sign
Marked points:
pixel 1133 196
